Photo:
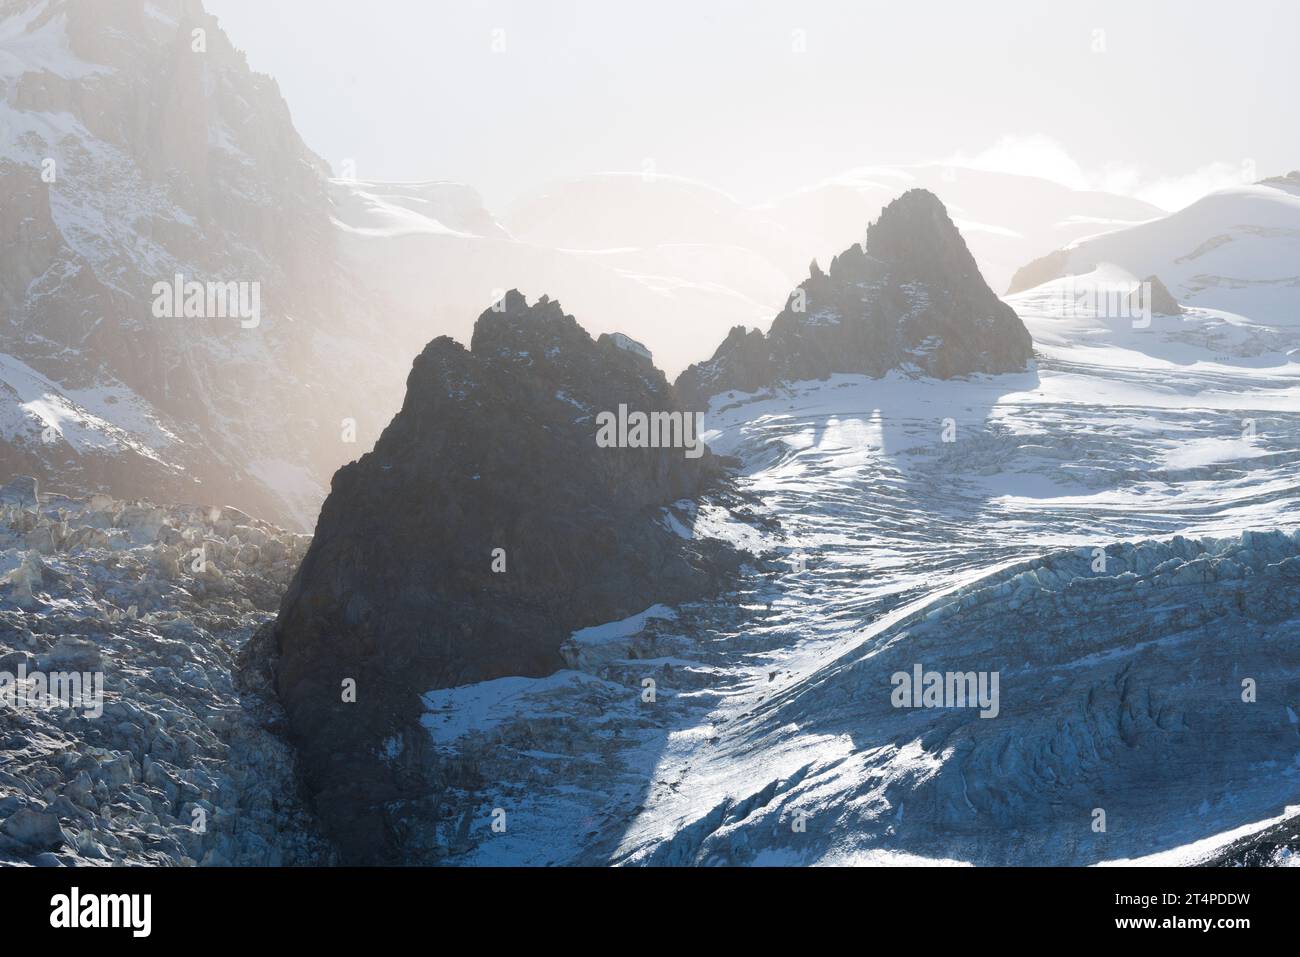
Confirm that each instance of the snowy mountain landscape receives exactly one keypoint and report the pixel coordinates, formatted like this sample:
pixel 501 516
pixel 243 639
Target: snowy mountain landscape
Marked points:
pixel 1106 531
pixel 961 525
pixel 1235 249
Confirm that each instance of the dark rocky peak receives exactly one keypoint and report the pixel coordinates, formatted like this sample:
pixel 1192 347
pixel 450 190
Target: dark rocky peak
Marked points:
pixel 913 238
pixel 913 299
pixel 484 528
pixel 512 328
pixel 743 362
pixel 915 235
pixel 532 368
pixel 551 344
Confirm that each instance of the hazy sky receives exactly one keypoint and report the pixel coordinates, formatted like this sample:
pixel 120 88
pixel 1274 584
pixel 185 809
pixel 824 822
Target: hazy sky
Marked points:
pixel 1159 99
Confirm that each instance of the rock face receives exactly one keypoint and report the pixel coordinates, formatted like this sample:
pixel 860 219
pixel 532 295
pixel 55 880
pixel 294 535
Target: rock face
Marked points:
pixel 1043 269
pixel 38 830
pixel 139 146
pixel 404 590
pixel 913 299
pixel 1291 181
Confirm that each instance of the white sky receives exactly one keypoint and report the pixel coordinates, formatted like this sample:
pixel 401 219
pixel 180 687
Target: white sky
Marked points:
pixel 1185 96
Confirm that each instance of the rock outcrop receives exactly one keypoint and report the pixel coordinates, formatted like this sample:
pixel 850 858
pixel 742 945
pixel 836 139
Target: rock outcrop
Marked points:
pixel 1289 181
pixel 1275 846
pixel 1162 301
pixel 912 299
pixel 485 526
pixel 1038 271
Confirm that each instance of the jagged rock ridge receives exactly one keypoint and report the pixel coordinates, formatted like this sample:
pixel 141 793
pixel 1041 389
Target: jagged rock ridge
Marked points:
pixel 402 590
pixel 913 299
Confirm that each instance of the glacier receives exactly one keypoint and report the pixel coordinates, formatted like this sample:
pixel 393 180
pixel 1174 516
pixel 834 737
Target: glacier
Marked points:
pixel 1104 532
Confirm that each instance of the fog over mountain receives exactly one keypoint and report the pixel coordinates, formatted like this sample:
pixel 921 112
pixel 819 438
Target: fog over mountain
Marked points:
pixel 105 393
pixel 667 260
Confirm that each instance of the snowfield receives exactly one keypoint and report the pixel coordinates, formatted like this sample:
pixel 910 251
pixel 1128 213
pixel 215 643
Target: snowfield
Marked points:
pixel 1236 249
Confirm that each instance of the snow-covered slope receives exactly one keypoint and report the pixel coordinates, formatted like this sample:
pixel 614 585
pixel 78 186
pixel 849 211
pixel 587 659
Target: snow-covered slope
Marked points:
pixel 389 210
pixel 97 436
pixel 1236 249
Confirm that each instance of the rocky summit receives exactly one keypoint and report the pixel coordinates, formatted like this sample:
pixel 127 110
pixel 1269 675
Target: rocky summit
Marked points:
pixel 485 527
pixel 913 299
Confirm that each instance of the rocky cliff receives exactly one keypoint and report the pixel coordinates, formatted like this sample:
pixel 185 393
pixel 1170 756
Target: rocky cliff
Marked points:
pixel 138 146
pixel 912 299
pixel 485 526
